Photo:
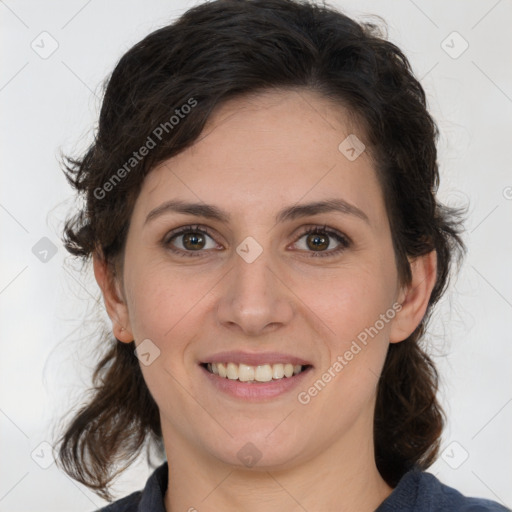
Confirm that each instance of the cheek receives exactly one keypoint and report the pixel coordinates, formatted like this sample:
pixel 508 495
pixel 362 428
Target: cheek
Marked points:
pixel 163 309
pixel 147 309
pixel 169 307
pixel 358 313
pixel 353 300
pixel 158 300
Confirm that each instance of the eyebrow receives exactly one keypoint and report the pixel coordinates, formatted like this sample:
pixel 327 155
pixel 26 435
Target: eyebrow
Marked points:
pixel 213 212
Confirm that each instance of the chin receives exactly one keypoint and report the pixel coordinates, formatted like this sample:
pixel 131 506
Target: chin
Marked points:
pixel 260 451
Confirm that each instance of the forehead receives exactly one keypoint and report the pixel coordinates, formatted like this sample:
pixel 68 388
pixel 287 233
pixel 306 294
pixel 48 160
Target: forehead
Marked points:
pixel 258 152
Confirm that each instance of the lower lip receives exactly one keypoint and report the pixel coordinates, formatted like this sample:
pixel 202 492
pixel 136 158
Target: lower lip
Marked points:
pixel 256 391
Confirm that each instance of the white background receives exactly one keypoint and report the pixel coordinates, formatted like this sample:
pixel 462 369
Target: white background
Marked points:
pixel 47 309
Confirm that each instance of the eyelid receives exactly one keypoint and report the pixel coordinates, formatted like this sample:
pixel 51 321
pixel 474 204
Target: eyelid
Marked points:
pixel 186 229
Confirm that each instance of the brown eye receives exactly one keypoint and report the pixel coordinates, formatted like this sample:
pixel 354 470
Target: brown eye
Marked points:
pixel 193 241
pixel 318 239
pixel 188 240
pixel 315 241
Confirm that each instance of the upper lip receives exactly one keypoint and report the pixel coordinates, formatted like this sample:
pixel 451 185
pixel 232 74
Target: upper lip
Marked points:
pixel 255 359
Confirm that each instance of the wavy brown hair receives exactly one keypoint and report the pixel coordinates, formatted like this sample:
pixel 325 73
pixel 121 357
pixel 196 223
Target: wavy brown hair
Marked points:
pixel 214 52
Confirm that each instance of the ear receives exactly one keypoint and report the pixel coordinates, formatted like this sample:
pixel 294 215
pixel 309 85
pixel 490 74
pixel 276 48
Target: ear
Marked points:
pixel 113 298
pixel 414 298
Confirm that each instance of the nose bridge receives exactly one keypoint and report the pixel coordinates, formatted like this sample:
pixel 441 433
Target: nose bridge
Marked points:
pixel 251 273
pixel 253 297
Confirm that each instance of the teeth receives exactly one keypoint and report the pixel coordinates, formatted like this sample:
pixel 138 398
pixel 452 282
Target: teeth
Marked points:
pixel 247 373
pixel 277 371
pixel 263 373
pixel 288 370
pixel 221 368
pixel 232 371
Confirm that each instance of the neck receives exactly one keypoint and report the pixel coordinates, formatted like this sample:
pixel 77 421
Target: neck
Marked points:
pixel 341 478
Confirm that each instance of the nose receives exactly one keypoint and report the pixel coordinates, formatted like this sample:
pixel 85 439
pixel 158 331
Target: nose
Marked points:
pixel 254 298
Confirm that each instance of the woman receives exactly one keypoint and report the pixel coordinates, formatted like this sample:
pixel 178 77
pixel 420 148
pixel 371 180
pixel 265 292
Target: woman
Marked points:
pixel 262 219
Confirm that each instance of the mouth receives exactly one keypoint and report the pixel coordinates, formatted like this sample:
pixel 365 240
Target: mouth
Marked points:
pixel 262 373
pixel 253 377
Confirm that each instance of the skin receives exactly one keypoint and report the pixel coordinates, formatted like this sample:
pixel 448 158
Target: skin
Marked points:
pixel 256 155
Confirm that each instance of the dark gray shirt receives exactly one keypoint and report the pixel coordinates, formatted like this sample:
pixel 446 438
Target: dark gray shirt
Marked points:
pixel 417 491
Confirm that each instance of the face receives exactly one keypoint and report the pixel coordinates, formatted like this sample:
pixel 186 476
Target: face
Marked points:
pixel 242 282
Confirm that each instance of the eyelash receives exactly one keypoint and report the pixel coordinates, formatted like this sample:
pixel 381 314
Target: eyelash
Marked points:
pixel 344 241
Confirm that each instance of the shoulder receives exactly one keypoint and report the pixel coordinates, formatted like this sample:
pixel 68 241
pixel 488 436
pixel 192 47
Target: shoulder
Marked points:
pixel 150 499
pixel 129 503
pixel 419 491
